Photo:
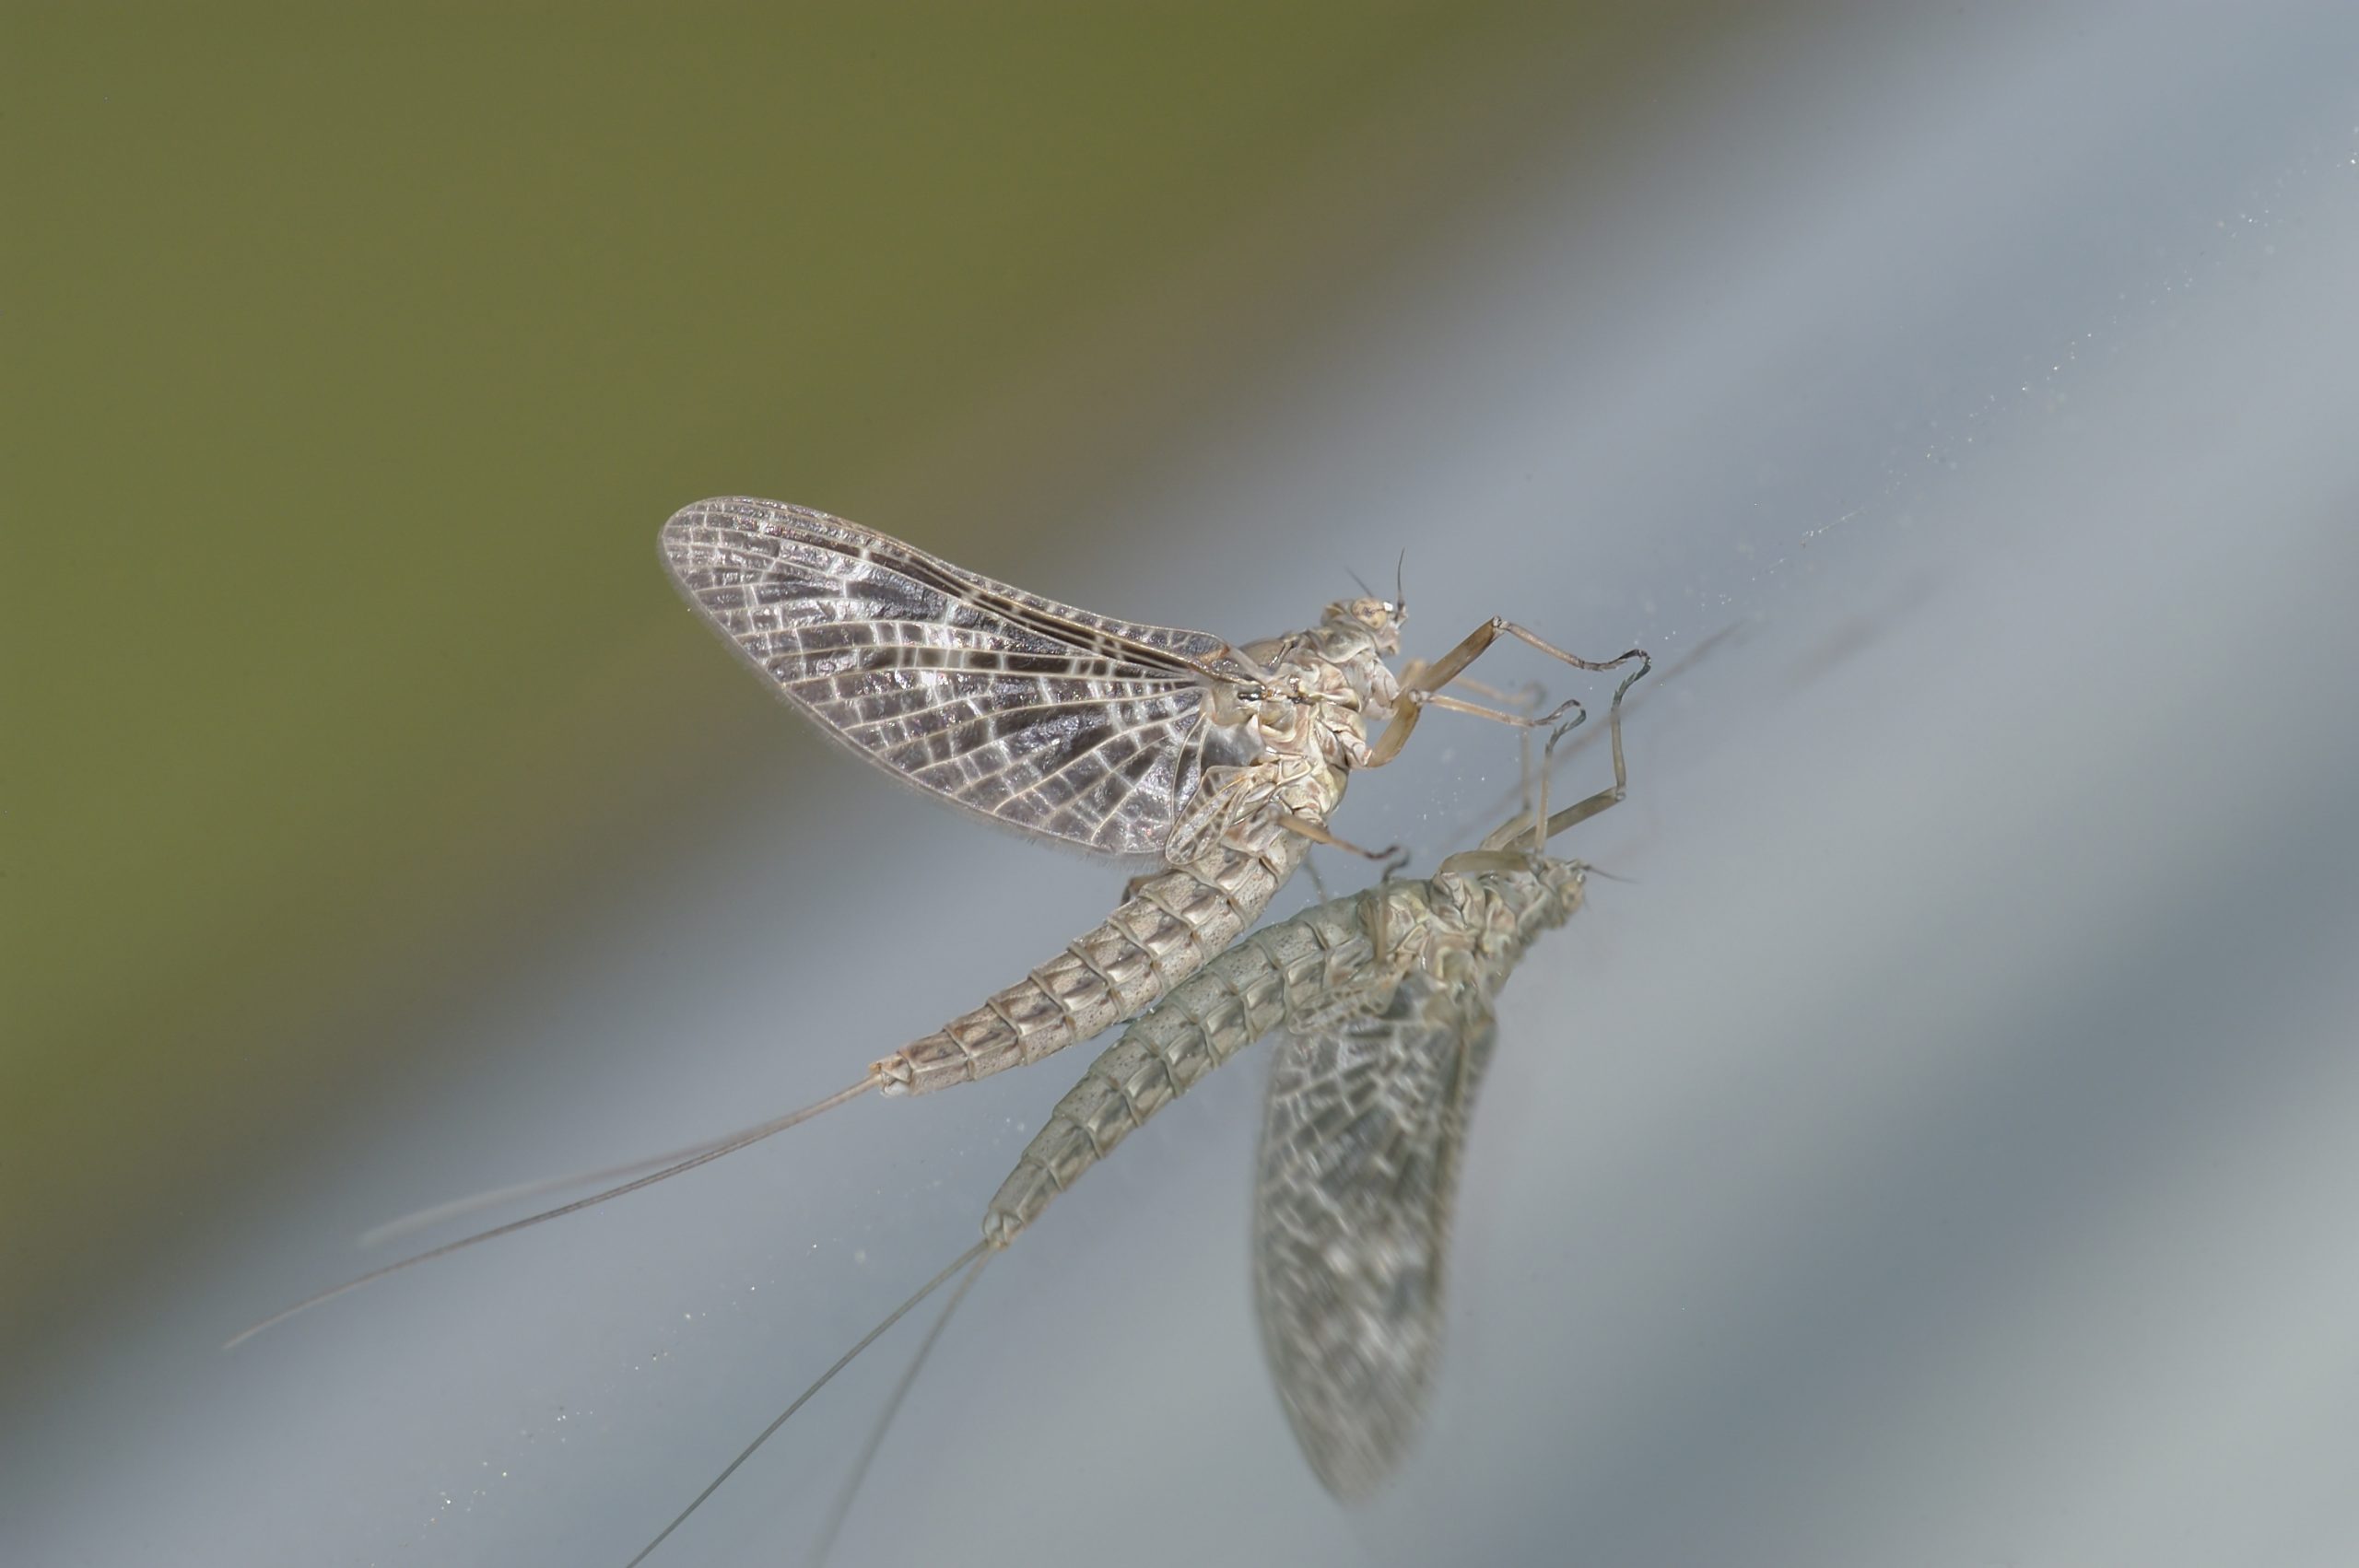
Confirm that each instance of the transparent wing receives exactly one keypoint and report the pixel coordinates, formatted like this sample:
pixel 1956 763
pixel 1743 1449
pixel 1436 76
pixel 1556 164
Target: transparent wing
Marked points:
pixel 1069 725
pixel 1360 1139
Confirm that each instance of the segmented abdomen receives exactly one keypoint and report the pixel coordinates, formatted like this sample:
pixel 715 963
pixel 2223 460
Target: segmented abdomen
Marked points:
pixel 1264 980
pixel 1176 923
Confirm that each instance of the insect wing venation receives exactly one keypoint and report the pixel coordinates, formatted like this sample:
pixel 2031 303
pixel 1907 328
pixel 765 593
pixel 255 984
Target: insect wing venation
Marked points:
pixel 1030 713
pixel 1360 1142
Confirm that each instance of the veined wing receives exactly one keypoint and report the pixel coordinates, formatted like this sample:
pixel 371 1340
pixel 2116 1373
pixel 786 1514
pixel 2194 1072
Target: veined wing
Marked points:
pixel 1031 713
pixel 1360 1139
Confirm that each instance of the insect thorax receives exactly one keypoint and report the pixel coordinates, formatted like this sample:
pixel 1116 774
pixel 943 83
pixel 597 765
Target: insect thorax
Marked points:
pixel 1282 742
pixel 1326 686
pixel 1474 928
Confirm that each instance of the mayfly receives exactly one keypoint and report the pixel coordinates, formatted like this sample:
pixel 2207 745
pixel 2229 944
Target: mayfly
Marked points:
pixel 1386 998
pixel 1220 763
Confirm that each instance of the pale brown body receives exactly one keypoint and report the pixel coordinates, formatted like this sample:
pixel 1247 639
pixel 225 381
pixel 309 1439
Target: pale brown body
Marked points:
pixel 1258 820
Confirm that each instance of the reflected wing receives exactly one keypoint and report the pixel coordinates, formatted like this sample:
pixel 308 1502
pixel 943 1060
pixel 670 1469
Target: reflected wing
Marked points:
pixel 1360 1142
pixel 1028 712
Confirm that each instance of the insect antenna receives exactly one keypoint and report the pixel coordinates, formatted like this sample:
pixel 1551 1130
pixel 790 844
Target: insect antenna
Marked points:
pixel 674 1164
pixel 972 1262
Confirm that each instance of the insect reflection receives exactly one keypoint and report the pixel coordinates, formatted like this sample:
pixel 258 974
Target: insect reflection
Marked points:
pixel 1386 1001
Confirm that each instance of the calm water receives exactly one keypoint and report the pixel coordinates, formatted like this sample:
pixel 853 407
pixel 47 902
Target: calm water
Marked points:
pixel 1937 1151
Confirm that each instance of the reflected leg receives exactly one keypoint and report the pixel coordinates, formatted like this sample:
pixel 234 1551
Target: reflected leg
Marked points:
pixel 1494 853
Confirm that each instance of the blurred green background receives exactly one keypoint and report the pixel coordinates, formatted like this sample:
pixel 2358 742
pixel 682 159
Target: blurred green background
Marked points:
pixel 354 356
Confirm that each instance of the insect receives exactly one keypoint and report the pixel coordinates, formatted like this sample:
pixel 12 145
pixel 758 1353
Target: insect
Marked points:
pixel 1134 742
pixel 1386 998
pixel 1220 763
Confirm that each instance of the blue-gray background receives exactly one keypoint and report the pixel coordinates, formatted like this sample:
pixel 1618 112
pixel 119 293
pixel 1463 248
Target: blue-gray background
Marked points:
pixel 1939 1151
